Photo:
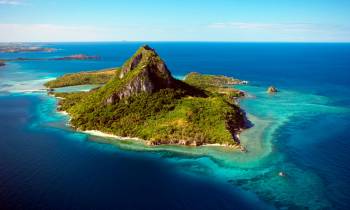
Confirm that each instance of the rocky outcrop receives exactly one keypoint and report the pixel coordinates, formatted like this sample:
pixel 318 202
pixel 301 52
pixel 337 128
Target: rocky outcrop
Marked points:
pixel 2 63
pixel 272 89
pixel 129 66
pixel 144 72
pixel 141 83
pixel 148 59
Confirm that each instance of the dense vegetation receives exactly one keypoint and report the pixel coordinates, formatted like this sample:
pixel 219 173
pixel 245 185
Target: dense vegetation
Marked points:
pixel 83 78
pixel 167 116
pixel 179 114
pixel 206 81
pixel 216 85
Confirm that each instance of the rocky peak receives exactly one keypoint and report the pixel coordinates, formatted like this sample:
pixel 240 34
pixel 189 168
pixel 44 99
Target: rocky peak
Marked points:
pixel 143 53
pixel 145 71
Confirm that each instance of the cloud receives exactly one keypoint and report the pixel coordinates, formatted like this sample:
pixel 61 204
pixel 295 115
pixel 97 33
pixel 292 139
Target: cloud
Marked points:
pixel 250 26
pixel 233 31
pixel 13 32
pixel 10 2
pixel 49 32
pixel 283 31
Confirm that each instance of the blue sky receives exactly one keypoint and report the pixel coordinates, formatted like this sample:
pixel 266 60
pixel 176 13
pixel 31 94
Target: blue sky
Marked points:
pixel 175 20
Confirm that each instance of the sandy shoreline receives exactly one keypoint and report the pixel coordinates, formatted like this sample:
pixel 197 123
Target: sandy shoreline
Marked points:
pixel 107 135
pixel 63 113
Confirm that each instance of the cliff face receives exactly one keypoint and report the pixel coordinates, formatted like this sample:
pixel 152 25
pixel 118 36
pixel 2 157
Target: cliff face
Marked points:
pixel 144 72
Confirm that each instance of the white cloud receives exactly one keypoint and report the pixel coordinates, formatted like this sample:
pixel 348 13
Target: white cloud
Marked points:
pixel 80 33
pixel 49 32
pixel 250 26
pixel 10 2
pixel 259 31
pixel 233 31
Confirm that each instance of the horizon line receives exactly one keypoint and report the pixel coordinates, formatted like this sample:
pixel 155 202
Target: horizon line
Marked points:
pixel 178 41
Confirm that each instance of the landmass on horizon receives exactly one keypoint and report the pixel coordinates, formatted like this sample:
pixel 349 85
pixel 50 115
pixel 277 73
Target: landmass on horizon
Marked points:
pixel 143 100
pixel 30 48
pixel 23 47
pixel 64 58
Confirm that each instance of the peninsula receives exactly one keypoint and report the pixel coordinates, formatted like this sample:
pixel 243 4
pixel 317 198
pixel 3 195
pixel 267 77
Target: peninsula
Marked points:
pixel 143 100
pixel 83 78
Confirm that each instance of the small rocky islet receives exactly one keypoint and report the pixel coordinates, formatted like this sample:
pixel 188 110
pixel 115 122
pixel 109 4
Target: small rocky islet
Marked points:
pixel 272 89
pixel 143 100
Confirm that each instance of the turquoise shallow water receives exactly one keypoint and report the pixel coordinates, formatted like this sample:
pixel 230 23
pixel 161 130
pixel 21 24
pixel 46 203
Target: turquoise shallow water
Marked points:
pixel 302 131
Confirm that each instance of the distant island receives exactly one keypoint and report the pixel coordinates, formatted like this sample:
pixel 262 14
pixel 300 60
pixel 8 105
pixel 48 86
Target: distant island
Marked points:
pixel 18 49
pixel 142 100
pixel 67 58
pixel 78 57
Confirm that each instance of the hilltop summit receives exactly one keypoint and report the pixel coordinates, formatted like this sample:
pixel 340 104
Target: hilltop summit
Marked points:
pixel 145 72
pixel 144 55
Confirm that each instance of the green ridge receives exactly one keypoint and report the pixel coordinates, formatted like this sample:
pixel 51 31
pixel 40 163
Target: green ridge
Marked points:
pixel 83 78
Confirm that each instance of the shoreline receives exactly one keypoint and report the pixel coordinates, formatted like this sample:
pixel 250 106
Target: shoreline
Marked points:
pixel 121 138
pixel 107 135
pixel 62 113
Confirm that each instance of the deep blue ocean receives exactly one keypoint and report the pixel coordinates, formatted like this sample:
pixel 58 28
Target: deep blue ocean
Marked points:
pixel 303 131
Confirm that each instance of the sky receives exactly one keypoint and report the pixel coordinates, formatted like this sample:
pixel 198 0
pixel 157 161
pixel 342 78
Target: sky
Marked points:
pixel 175 20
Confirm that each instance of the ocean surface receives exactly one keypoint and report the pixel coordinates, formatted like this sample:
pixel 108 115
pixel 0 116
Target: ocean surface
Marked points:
pixel 303 131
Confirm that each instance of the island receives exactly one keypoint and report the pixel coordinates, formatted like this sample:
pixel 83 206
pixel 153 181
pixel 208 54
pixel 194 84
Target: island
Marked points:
pixel 143 100
pixel 272 89
pixel 18 49
pixel 64 58
pixel 78 57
